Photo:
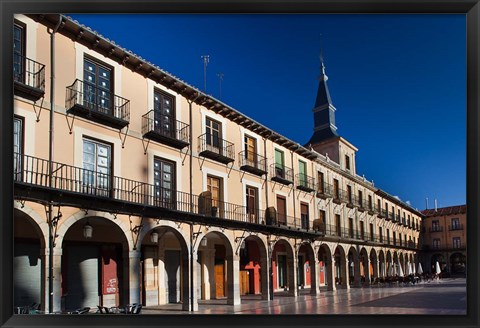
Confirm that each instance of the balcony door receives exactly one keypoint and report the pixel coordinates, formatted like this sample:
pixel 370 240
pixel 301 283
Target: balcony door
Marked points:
pixel 213 133
pixel 252 204
pixel 97 168
pixel 97 88
pixel 302 168
pixel 164 114
pixel 17 147
pixel 19 53
pixel 164 180
pixel 251 151
pixel 282 210
pixel 304 216
pixel 214 185
pixel 279 164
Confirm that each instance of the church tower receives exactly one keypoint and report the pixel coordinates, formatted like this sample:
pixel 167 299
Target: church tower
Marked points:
pixel 325 139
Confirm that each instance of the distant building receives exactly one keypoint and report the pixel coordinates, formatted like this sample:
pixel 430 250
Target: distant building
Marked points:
pixel 444 233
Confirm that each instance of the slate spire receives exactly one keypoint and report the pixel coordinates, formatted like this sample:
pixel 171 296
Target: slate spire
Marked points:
pixel 323 111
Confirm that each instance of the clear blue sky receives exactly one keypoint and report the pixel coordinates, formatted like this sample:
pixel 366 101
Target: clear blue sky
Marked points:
pixel 397 81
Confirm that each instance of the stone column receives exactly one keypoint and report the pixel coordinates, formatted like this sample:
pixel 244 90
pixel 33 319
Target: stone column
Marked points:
pixel 366 271
pixel 343 263
pixel 292 267
pixel 57 276
pixel 330 273
pixel 134 276
pixel 314 265
pixel 265 276
pixel 233 280
pixel 375 272
pixel 208 273
pixel 162 273
pixel 190 282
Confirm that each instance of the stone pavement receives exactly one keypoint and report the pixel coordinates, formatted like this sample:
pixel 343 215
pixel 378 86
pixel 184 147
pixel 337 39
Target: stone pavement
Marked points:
pixel 447 296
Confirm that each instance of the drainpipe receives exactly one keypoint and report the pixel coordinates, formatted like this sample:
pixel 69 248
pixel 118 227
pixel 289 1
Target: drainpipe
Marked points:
pixel 190 128
pixel 293 176
pixel 50 163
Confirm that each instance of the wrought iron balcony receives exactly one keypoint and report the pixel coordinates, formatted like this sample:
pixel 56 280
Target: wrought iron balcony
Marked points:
pixel 281 174
pixel 28 77
pixel 253 163
pixel 337 196
pixel 436 229
pixel 381 213
pixel 455 227
pixel 164 129
pixel 216 148
pixel 360 203
pixel 371 209
pixel 324 190
pixel 101 106
pixel 305 182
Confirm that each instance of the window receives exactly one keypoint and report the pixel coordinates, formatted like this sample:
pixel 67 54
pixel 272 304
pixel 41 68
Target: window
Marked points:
pixel 338 225
pixel 456 242
pixel 250 145
pixel 19 52
pixel 436 243
pixel 17 147
pixel 386 209
pixel 164 181
pixel 252 204
pixel 455 224
pixel 302 169
pixel 98 86
pixel 394 234
pixel 400 239
pixel 405 239
pixel 282 210
pixel 379 205
pixel 213 133
pixel 399 217
pixel 214 185
pixel 370 202
pixel 336 191
pixel 372 232
pixel 388 236
pixel 362 230
pixel 97 167
pixel 435 225
pixel 347 162
pixel 321 187
pixel 380 232
pixel 360 198
pixel 349 193
pixel 350 227
pixel 322 220
pixel 304 216
pixel 279 164
pixel 164 113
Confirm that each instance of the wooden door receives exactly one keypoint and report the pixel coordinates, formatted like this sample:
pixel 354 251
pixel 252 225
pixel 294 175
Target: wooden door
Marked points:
pixel 281 210
pixel 251 194
pixel 244 282
pixel 219 280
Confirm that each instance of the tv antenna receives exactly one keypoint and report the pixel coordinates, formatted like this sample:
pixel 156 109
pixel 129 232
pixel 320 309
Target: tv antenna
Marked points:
pixel 206 60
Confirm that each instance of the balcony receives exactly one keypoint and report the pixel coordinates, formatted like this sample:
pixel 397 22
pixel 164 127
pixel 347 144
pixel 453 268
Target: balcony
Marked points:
pixel 281 174
pixel 95 104
pixel 28 77
pixel 360 203
pixel 165 130
pixel 324 190
pixel 371 209
pixel 455 227
pixel 253 163
pixel 305 182
pixel 348 198
pixel 337 196
pixel 435 229
pixel 216 148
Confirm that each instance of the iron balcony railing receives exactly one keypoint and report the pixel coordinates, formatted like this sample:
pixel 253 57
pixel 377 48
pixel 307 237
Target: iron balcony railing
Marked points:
pixel 324 190
pixel 436 229
pixel 371 209
pixel 28 72
pixel 305 182
pixel 281 174
pixel 381 213
pixel 165 129
pixel 347 198
pixel 360 203
pixel 87 100
pixel 337 195
pixel 455 227
pixel 216 148
pixel 35 171
pixel 252 162
pixel 28 78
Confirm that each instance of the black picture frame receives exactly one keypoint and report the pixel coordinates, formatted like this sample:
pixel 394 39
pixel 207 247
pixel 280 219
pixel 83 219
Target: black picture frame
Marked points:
pixel 471 8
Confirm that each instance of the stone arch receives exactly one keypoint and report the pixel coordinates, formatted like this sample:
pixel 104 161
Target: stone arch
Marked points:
pixel 284 267
pixel 69 222
pixel 152 224
pixel 353 262
pixel 254 264
pixel 41 226
pixel 340 269
pixel 307 271
pixel 326 266
pixel 365 267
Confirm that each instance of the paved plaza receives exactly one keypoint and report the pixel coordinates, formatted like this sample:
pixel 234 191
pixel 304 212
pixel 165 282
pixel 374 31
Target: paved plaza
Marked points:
pixel 446 297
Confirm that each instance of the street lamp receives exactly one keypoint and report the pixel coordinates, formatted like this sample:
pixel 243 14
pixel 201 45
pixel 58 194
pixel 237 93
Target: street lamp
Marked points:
pixel 87 231
pixel 154 237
